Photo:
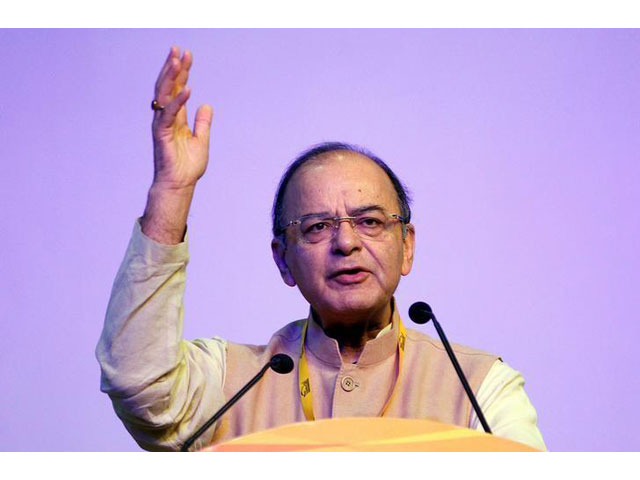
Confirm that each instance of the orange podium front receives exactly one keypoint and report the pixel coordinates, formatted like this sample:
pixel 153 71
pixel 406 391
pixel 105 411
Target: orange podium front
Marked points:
pixel 369 435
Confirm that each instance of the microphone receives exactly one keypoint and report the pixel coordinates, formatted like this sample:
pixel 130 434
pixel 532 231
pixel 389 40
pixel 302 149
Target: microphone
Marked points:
pixel 279 363
pixel 421 313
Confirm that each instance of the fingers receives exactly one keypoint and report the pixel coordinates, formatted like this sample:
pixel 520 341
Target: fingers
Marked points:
pixel 173 76
pixel 173 53
pixel 165 86
pixel 166 117
pixel 202 125
pixel 172 92
pixel 180 82
pixel 183 74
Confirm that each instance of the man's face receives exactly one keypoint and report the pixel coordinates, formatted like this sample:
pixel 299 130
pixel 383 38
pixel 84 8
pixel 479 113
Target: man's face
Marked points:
pixel 347 275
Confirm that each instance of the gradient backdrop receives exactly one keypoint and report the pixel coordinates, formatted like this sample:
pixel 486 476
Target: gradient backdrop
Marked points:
pixel 521 149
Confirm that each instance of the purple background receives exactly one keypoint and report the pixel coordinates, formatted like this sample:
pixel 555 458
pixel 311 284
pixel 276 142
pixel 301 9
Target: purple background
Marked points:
pixel 521 149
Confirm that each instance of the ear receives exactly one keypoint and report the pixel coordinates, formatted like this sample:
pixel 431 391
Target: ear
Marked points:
pixel 278 248
pixel 408 249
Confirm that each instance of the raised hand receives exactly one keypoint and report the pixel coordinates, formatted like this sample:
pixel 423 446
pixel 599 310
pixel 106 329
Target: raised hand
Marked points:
pixel 180 155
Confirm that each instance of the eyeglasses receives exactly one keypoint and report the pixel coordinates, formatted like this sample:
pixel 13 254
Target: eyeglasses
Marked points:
pixel 369 225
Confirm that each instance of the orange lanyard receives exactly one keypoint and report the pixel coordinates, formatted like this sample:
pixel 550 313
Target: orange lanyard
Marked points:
pixel 305 383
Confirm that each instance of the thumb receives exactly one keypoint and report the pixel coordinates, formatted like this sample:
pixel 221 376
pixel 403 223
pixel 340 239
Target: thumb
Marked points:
pixel 202 125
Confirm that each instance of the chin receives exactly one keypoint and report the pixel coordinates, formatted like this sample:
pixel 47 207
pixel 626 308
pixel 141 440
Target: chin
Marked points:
pixel 350 304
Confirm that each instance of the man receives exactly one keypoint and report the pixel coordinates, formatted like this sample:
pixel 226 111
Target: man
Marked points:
pixel 342 235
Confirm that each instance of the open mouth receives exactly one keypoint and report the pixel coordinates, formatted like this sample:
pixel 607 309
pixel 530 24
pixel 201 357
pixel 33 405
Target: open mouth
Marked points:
pixel 350 275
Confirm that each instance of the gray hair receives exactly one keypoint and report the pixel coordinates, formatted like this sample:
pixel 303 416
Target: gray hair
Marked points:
pixel 278 202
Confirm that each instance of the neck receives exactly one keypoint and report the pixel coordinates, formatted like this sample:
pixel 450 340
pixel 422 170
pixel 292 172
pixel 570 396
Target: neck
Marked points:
pixel 353 332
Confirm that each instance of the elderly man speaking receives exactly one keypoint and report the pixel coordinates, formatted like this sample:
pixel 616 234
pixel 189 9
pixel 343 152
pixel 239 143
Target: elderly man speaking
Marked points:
pixel 342 235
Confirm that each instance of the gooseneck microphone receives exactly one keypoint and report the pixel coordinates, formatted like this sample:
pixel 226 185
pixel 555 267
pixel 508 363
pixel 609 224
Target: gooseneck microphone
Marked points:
pixel 421 313
pixel 279 363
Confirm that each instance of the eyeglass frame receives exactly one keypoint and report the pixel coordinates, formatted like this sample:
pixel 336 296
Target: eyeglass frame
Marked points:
pixel 338 220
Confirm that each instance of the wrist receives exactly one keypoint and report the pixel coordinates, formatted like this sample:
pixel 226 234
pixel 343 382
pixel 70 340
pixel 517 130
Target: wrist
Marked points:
pixel 165 215
pixel 171 191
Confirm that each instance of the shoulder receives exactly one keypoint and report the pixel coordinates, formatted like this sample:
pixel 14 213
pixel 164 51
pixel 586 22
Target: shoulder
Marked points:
pixel 426 342
pixel 285 339
pixel 244 360
pixel 291 332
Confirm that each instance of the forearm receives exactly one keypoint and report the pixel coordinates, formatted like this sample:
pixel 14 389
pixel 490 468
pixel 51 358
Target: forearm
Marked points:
pixel 142 329
pixel 156 380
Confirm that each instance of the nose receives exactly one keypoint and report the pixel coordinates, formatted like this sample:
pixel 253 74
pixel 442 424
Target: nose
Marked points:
pixel 345 239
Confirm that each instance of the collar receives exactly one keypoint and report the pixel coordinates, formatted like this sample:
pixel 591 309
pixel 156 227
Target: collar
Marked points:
pixel 376 350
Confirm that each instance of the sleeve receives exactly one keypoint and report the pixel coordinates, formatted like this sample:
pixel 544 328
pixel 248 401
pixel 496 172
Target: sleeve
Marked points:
pixel 163 388
pixel 507 408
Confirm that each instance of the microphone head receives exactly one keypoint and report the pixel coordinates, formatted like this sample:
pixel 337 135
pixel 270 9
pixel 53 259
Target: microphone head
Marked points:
pixel 281 363
pixel 421 312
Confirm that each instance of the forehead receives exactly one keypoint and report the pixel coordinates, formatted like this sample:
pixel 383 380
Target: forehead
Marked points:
pixel 337 182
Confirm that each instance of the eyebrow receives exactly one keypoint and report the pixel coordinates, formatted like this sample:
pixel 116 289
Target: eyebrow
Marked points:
pixel 353 213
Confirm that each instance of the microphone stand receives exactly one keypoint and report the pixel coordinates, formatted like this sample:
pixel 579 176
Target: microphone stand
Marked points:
pixel 461 376
pixel 420 313
pixel 280 363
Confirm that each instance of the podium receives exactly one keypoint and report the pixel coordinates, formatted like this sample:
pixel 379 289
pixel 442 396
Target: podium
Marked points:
pixel 369 435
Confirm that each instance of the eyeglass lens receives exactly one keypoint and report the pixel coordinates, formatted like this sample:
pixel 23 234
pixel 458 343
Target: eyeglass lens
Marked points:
pixel 369 225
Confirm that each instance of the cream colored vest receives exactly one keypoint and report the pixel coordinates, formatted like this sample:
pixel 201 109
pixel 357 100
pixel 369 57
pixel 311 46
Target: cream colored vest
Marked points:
pixel 428 385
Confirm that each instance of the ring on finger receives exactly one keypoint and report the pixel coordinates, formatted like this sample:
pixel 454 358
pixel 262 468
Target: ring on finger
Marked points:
pixel 156 107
